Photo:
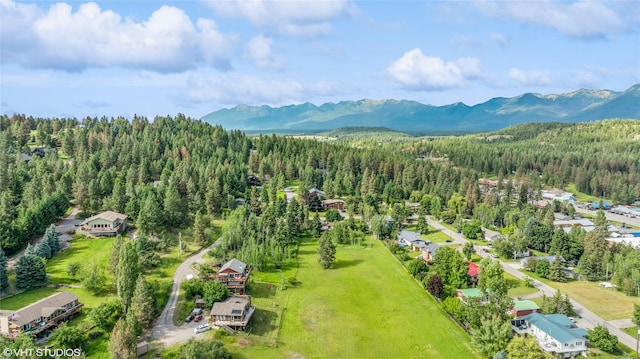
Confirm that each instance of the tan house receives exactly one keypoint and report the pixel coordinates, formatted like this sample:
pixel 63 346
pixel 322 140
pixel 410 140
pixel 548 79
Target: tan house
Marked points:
pixel 234 275
pixel 105 224
pixel 40 317
pixel 234 312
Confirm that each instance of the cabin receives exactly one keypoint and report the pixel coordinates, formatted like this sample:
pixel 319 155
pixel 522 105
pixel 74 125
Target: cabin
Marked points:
pixel 40 318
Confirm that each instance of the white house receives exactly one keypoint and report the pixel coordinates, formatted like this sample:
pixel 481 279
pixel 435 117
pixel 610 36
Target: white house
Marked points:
pixel 105 224
pixel 557 334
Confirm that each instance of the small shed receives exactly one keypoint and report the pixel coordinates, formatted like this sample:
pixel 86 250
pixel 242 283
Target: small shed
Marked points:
pixel 142 348
pixel 199 303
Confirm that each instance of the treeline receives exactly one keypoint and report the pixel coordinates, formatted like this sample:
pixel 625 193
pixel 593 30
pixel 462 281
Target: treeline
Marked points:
pixel 601 157
pixel 162 173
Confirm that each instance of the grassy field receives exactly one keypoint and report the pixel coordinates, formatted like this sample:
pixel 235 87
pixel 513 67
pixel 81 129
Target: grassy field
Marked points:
pixel 367 306
pixel 606 303
pixel 81 251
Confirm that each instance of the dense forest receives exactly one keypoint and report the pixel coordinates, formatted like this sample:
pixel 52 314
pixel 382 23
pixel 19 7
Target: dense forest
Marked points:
pixel 169 172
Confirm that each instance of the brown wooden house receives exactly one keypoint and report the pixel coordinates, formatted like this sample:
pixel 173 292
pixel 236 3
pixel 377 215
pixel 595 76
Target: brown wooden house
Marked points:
pixel 234 275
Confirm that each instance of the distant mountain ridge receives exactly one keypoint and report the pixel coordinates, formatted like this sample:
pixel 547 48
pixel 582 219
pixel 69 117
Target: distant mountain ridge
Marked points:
pixel 411 116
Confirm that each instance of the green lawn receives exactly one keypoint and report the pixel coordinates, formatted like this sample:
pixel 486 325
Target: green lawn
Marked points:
pixel 606 303
pixel 435 236
pixel 367 306
pixel 82 251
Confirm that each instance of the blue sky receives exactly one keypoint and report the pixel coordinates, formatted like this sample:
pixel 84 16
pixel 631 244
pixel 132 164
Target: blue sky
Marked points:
pixel 120 58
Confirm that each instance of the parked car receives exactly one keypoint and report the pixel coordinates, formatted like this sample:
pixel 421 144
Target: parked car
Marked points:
pixel 448 241
pixel 493 255
pixel 201 328
pixel 188 319
pixel 196 311
pixel 197 318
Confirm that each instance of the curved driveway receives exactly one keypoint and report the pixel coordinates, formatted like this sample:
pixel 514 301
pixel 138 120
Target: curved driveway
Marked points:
pixel 164 330
pixel 589 319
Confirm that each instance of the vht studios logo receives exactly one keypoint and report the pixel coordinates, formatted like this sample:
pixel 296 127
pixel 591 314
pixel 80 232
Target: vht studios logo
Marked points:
pixel 46 352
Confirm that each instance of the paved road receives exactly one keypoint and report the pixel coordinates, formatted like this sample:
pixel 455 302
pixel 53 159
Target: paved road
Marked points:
pixel 589 319
pixel 63 226
pixel 165 331
pixel 612 216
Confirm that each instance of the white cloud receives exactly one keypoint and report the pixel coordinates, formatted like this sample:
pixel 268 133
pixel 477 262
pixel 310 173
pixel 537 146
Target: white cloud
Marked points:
pixel 416 71
pixel 259 51
pixel 581 19
pixel 233 89
pixel 501 39
pixel 306 18
pixel 90 37
pixel 529 78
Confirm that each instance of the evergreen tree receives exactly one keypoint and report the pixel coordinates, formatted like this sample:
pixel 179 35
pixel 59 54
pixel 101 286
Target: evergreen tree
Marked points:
pixel 423 226
pixel 143 303
pixel 316 225
pixel 468 250
pixel 52 237
pixel 43 250
pixel 326 251
pixel 174 208
pixel 199 234
pixel 122 341
pixel 30 272
pixel 149 218
pixel 556 270
pixel 4 275
pixel 127 272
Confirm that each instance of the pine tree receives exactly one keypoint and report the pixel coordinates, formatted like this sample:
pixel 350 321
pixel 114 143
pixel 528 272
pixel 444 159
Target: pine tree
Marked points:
pixel 556 270
pixel 326 250
pixel 199 234
pixel 122 341
pixel 4 276
pixel 143 303
pixel 30 272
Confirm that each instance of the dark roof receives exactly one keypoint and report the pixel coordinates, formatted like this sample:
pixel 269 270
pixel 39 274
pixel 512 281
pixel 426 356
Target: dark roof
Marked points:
pixel 232 306
pixel 235 265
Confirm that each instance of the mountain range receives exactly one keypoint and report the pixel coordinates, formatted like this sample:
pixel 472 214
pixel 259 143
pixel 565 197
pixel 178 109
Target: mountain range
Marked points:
pixel 411 116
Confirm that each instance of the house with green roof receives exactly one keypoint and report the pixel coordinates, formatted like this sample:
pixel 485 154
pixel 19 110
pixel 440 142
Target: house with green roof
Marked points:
pixel 468 295
pixel 519 310
pixel 557 334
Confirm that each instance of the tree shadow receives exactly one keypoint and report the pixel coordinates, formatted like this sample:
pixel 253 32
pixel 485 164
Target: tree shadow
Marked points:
pixel 345 264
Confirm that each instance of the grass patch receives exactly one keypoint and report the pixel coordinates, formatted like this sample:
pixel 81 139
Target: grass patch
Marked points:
pixel 356 310
pixel 607 303
pixel 81 251
pixel 435 236
pixel 633 331
pixel 581 197
pixel 20 300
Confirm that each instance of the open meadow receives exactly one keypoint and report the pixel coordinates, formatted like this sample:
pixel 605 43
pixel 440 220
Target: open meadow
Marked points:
pixel 366 306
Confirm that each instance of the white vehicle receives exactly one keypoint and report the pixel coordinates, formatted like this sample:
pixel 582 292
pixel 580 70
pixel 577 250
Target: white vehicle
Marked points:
pixel 201 328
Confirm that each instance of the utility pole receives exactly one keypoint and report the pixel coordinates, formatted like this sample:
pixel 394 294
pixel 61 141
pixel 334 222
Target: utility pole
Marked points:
pixel 179 244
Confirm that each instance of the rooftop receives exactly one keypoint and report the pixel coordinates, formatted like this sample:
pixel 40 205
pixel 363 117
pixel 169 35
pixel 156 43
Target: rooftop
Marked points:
pixel 108 215
pixel 557 326
pixel 525 305
pixel 235 265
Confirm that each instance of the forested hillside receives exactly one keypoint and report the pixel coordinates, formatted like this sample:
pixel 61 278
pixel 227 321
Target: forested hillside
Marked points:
pixel 178 165
pixel 602 158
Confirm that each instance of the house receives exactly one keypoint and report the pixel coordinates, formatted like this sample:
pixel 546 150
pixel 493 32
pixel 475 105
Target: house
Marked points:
pixel 412 240
pixel 199 303
pixel 470 295
pixel 234 312
pixel 318 192
pixel 557 334
pixel 490 235
pixel 41 317
pixel 234 275
pixel 522 308
pixel 328 204
pixel 596 205
pixel 105 224
pixel 473 272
